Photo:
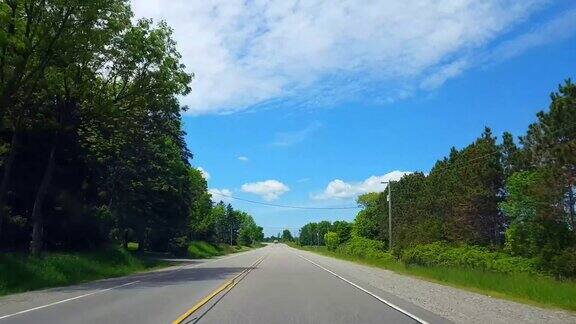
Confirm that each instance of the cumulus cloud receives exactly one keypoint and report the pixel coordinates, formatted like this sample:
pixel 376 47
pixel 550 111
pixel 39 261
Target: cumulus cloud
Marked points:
pixel 340 189
pixel 245 53
pixel 205 173
pixel 269 190
pixel 243 158
pixel 220 194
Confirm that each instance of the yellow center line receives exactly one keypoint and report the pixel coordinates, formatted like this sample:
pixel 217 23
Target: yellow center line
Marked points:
pixel 229 284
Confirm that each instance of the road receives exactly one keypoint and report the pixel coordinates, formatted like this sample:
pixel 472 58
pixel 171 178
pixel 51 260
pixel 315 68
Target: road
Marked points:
pixel 274 284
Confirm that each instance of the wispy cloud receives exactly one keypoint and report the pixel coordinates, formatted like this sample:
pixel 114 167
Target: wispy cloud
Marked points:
pixel 243 158
pixel 245 53
pixel 557 29
pixel 284 139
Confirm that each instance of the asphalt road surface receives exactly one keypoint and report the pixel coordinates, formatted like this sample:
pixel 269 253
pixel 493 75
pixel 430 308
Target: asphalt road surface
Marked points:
pixel 274 284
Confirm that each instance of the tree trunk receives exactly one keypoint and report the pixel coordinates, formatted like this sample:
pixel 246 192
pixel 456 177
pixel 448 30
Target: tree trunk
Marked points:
pixel 37 218
pixel 6 176
pixel 571 211
pixel 125 241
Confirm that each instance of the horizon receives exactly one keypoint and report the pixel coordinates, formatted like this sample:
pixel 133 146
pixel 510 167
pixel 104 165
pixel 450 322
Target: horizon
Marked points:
pixel 278 108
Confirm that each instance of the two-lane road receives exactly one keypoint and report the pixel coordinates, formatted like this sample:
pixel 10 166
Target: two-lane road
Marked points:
pixel 286 286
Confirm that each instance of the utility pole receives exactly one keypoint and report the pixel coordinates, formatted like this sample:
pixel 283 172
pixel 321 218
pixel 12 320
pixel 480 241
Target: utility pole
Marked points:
pixel 389 187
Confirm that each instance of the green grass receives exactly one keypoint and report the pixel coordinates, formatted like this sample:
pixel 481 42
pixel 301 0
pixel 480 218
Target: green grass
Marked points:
pixel 521 287
pixel 204 250
pixel 19 273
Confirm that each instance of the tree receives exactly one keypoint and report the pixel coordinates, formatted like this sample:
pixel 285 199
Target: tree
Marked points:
pixel 287 236
pixel 371 222
pixel 221 227
pixel 343 229
pixel 308 234
pixel 201 225
pixel 552 141
pixel 535 215
pixel 42 45
pixel 133 130
pixel 332 240
pixel 249 232
pixel 91 127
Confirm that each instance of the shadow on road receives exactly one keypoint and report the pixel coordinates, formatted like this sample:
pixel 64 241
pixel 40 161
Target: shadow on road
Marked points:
pixel 158 279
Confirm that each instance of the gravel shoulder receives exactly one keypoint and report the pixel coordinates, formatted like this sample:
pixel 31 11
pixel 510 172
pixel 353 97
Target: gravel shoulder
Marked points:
pixel 454 304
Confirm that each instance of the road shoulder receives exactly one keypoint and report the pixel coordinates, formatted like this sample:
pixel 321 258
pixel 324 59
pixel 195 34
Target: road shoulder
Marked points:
pixel 454 304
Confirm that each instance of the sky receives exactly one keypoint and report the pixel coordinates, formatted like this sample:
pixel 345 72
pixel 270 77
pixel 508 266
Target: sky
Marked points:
pixel 312 103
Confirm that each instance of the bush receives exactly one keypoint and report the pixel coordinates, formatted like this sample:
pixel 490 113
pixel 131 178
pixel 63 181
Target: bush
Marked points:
pixel 563 264
pixel 473 257
pixel 203 250
pixel 365 248
pixel 178 246
pixel 331 239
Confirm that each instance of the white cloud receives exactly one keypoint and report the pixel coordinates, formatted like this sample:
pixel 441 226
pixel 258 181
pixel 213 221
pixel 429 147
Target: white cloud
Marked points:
pixel 341 189
pixel 205 173
pixel 243 158
pixel 295 137
pixel 443 74
pixel 248 52
pixel 268 190
pixel 220 195
pixel 558 28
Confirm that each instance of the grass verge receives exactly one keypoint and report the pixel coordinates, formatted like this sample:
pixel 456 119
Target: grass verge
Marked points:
pixel 204 250
pixel 20 273
pixel 521 287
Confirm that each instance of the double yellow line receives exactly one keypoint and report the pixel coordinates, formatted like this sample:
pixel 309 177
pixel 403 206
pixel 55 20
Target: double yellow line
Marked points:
pixel 228 285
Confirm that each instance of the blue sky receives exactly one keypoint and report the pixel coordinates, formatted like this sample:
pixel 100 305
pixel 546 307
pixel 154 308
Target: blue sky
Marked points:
pixel 311 105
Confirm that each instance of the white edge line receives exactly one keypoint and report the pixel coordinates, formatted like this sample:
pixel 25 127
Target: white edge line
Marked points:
pixel 368 292
pixel 108 289
pixel 67 300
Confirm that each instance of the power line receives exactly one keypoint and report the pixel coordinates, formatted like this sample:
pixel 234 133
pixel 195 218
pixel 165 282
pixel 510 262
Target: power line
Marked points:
pixel 284 206
pixel 437 171
pixel 497 151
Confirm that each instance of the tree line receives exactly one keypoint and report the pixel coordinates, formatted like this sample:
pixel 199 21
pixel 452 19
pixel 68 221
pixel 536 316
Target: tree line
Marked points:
pixel 92 150
pixel 512 195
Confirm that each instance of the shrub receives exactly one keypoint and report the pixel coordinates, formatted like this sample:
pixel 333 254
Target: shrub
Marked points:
pixel 365 248
pixel 474 257
pixel 202 250
pixel 178 246
pixel 331 239
pixel 563 264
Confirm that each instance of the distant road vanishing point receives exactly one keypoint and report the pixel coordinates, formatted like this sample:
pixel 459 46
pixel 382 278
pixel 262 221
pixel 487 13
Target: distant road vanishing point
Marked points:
pixel 274 284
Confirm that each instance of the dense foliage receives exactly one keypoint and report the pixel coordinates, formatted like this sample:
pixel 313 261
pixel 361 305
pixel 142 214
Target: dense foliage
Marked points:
pixel 313 233
pixel 332 240
pixel 91 143
pixel 475 257
pixel 286 236
pixel 518 200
